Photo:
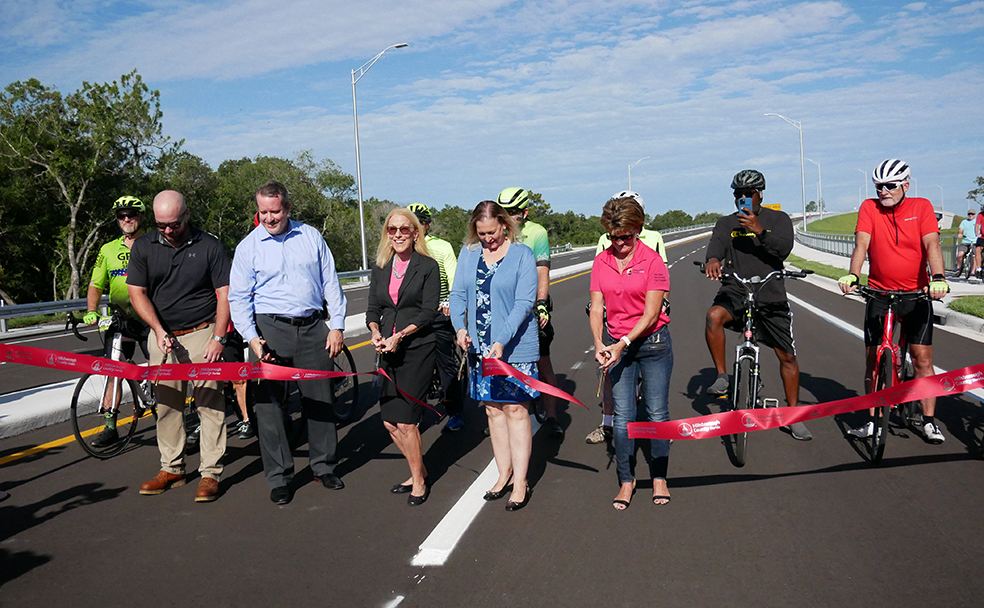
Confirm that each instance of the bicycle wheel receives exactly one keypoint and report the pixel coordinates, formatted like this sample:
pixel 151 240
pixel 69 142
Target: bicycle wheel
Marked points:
pixel 539 410
pixel 742 400
pixel 460 385
pixel 885 379
pixel 346 390
pixel 87 420
pixel 910 411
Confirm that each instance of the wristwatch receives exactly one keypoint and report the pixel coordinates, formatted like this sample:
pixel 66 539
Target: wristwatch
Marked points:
pixel 220 339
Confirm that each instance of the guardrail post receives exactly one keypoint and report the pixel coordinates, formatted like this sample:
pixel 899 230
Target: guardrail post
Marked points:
pixel 3 322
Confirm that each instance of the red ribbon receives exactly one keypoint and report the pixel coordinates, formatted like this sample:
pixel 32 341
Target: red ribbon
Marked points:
pixel 218 372
pixel 498 367
pixel 743 421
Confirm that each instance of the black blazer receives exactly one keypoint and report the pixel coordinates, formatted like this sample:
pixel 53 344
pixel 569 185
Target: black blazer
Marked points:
pixel 418 299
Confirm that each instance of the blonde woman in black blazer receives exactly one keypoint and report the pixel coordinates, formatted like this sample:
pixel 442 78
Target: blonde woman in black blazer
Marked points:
pixel 404 294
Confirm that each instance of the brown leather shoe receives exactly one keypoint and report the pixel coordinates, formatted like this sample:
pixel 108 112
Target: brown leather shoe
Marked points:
pixel 208 490
pixel 163 481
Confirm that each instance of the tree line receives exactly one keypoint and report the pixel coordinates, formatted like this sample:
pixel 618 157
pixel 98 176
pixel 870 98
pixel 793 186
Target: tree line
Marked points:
pixel 64 159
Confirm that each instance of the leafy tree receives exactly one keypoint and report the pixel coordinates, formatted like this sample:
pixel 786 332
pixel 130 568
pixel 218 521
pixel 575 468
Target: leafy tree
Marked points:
pixel 977 194
pixel 671 219
pixel 84 147
pixel 811 207
pixel 706 217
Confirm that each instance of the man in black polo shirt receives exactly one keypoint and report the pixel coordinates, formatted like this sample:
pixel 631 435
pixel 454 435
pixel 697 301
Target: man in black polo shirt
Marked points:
pixel 178 279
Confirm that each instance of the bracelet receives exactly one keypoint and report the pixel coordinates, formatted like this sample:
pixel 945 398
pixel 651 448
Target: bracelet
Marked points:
pixel 626 340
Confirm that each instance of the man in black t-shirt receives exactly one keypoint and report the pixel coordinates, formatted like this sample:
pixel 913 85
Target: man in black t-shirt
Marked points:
pixel 178 279
pixel 753 241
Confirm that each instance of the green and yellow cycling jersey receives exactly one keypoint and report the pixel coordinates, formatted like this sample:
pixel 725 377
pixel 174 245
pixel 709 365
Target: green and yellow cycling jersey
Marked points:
pixel 443 253
pixel 110 270
pixel 534 236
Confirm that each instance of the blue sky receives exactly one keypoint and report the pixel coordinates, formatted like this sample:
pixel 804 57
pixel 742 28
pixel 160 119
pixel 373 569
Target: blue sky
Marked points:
pixel 558 96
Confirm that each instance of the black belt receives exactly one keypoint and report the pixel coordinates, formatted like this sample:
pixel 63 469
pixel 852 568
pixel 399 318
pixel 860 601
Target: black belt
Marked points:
pixel 297 321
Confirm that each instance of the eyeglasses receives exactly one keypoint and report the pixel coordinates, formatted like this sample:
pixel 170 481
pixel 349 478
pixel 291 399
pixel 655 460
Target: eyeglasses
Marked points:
pixel 127 215
pixel 890 186
pixel 404 230
pixel 745 193
pixel 621 238
pixel 162 226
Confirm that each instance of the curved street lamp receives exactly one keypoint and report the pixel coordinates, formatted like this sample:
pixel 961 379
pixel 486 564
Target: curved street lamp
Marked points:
pixel 941 195
pixel 799 125
pixel 630 169
pixel 865 181
pixel 361 71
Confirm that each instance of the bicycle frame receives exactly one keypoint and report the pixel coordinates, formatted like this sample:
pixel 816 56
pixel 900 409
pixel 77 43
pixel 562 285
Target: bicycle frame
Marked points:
pixel 747 350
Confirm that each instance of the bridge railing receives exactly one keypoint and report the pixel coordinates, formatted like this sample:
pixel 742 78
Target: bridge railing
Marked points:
pixel 843 244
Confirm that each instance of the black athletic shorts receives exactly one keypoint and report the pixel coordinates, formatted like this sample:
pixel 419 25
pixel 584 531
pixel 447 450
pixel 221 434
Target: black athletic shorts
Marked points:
pixel 546 334
pixel 773 325
pixel 915 315
pixel 980 242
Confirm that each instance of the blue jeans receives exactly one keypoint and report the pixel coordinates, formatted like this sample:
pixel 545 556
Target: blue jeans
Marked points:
pixel 652 359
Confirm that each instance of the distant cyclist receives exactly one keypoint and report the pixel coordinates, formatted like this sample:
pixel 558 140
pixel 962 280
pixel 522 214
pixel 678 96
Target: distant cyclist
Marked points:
pixel 516 202
pixel 979 231
pixel 754 241
pixel 110 272
pixel 654 240
pixel 899 236
pixel 967 234
pixel 447 262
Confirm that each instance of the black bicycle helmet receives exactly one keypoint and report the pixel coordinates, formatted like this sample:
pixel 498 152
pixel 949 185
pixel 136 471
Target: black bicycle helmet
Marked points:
pixel 749 179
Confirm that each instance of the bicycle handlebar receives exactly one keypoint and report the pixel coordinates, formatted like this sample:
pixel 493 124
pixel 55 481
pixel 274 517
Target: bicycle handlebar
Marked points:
pixel 71 321
pixel 867 292
pixel 725 272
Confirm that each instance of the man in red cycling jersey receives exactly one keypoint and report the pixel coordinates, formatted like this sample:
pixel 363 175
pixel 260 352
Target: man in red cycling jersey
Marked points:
pixel 899 236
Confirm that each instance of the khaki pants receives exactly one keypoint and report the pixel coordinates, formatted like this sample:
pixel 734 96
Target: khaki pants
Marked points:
pixel 209 400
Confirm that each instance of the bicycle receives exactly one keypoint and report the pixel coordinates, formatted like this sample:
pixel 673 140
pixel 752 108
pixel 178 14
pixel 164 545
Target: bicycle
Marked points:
pixel 894 367
pixel 748 383
pixel 459 383
pixel 96 395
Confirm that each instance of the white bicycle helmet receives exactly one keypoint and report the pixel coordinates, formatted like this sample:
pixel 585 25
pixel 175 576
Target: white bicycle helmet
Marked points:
pixel 891 170
pixel 630 194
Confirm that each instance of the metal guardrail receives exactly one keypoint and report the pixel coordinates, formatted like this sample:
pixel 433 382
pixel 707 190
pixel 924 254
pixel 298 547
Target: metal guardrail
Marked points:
pixel 843 244
pixel 685 228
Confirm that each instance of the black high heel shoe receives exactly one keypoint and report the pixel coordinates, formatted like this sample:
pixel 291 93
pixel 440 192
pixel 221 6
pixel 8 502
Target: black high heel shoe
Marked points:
pixel 516 506
pixel 493 495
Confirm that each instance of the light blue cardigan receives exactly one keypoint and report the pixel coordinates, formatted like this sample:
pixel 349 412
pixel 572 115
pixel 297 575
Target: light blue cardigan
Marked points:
pixel 513 293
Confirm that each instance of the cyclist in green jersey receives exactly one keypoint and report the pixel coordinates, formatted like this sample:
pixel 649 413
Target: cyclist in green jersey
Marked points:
pixel 110 272
pixel 516 202
pixel 447 262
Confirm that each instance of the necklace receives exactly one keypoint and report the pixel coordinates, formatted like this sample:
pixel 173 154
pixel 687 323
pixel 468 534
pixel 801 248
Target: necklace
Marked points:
pixel 399 275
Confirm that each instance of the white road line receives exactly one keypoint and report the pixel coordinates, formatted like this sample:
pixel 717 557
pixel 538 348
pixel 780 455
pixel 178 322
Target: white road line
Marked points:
pixel 858 333
pixel 437 547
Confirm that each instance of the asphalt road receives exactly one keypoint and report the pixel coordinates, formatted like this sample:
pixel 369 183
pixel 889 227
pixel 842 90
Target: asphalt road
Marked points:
pixel 802 524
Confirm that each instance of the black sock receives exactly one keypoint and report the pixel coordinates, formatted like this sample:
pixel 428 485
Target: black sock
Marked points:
pixel 927 419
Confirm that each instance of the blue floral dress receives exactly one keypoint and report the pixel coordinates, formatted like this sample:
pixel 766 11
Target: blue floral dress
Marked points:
pixel 500 389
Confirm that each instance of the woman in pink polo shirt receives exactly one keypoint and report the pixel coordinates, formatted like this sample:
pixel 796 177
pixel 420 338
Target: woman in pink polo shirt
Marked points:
pixel 628 283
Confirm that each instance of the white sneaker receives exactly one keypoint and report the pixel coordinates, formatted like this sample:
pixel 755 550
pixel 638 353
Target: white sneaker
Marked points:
pixel 864 431
pixel 932 433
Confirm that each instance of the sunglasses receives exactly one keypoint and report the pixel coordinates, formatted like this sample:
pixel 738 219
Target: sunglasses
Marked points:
pixel 127 215
pixel 890 186
pixel 745 193
pixel 621 238
pixel 162 226
pixel 404 230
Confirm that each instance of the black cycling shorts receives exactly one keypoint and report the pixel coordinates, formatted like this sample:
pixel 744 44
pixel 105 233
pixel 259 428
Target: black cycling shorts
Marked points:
pixel 980 242
pixel 915 314
pixel 773 323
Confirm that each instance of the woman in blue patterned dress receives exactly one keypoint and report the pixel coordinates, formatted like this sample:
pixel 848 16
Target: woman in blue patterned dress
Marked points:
pixel 492 312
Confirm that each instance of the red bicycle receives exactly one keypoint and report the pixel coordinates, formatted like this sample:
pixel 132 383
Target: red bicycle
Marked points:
pixel 894 367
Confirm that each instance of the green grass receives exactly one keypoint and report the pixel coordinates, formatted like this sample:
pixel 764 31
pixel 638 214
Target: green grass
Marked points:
pixel 969 305
pixel 35 320
pixel 835 224
pixel 824 270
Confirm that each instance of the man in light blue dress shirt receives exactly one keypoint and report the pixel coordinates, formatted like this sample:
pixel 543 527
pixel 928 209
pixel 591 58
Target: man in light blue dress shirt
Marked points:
pixel 283 276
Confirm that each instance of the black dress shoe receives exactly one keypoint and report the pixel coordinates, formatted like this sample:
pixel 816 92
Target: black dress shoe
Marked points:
pixel 331 481
pixel 491 495
pixel 401 489
pixel 516 506
pixel 416 501
pixel 280 495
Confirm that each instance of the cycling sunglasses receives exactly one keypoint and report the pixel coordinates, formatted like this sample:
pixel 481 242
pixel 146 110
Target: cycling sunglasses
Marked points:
pixel 745 193
pixel 404 230
pixel 890 186
pixel 127 215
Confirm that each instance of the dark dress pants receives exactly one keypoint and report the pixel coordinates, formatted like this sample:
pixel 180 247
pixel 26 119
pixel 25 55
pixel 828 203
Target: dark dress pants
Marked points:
pixel 301 347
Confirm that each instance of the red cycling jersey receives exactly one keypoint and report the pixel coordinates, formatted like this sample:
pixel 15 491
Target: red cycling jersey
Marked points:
pixel 896 257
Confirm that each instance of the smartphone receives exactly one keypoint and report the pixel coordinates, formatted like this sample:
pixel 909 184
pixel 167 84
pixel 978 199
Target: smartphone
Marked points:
pixel 745 205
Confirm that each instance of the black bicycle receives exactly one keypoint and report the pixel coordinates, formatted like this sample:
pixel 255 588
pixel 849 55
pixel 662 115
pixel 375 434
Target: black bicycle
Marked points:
pixel 747 382
pixel 97 396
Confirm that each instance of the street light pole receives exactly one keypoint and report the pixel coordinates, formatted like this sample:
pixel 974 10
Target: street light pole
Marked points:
pixel 819 187
pixel 865 181
pixel 361 71
pixel 799 125
pixel 630 169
